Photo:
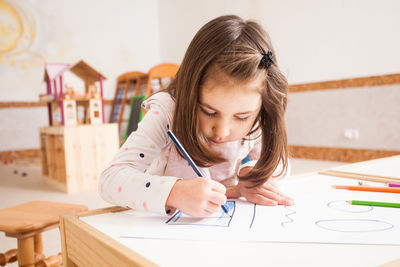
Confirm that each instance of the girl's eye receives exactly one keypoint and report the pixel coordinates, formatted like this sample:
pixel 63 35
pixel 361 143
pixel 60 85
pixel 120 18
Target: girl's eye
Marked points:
pixel 211 114
pixel 242 118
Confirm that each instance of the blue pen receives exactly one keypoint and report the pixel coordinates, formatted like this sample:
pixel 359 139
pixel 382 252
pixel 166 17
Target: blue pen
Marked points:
pixel 189 159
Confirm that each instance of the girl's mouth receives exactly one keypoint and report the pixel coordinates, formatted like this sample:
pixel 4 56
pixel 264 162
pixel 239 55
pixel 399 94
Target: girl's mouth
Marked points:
pixel 217 142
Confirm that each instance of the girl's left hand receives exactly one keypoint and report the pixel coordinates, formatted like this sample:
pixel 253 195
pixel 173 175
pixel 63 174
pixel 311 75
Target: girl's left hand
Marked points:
pixel 266 194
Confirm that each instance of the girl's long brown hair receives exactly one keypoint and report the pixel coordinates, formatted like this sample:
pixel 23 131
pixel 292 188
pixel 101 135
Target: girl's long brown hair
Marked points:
pixel 235 47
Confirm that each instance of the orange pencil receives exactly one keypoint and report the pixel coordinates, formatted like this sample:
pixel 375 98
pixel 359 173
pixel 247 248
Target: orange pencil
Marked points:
pixel 368 188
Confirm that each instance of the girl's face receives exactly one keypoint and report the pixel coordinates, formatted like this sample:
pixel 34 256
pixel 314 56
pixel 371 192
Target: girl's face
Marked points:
pixel 227 108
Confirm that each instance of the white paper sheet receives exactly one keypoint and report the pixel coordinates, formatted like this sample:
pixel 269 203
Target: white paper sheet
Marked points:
pixel 320 215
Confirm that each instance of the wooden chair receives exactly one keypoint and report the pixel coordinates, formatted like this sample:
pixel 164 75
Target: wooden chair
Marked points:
pixel 164 70
pixel 26 222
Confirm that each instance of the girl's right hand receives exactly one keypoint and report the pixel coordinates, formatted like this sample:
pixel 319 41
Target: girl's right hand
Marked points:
pixel 197 197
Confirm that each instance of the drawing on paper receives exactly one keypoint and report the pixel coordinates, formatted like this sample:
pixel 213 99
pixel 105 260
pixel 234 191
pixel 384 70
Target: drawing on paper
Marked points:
pixel 218 219
pixel 289 211
pixel 254 215
pixel 287 215
pixel 284 216
pixel 342 205
pixel 352 225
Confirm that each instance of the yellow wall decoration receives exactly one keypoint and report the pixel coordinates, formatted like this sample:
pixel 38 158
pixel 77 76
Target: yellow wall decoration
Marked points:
pixel 17 34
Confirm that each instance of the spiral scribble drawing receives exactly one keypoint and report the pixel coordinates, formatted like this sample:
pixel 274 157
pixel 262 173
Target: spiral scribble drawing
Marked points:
pixel 287 215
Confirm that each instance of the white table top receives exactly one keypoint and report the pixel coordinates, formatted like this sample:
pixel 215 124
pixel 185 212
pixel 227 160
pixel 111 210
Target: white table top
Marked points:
pixel 249 253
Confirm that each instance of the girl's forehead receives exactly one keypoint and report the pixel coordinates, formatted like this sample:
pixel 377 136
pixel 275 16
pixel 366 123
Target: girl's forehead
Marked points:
pixel 231 95
pixel 222 83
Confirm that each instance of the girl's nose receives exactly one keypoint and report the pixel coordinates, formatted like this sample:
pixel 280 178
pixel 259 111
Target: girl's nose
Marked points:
pixel 221 130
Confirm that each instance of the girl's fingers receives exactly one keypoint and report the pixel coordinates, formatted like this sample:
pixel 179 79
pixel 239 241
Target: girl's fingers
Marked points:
pixel 281 199
pixel 266 194
pixel 285 199
pixel 269 194
pixel 218 187
pixel 261 200
pixel 217 198
pixel 270 186
pixel 212 207
pixel 203 213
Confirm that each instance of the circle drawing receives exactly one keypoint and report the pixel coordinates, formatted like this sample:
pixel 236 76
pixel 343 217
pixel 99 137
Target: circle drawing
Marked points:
pixel 354 225
pixel 342 205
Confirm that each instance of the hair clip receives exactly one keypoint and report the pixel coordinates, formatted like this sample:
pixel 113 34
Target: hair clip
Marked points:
pixel 267 60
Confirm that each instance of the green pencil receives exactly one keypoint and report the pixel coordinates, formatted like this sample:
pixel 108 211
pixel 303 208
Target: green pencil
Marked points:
pixel 372 203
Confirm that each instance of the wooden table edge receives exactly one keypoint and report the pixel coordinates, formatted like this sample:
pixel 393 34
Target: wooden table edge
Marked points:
pixel 96 242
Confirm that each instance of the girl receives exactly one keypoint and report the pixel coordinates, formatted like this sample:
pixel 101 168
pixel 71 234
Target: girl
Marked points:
pixel 226 105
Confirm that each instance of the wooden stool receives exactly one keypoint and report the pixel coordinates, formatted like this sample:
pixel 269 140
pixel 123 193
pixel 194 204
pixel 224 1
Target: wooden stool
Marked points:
pixel 26 222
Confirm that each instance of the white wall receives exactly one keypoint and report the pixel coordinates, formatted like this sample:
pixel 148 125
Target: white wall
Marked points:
pixel 20 127
pixel 321 118
pixel 112 36
pixel 180 20
pixel 316 40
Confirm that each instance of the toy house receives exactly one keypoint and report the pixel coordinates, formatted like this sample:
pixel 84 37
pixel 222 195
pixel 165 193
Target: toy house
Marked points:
pixel 64 102
pixel 77 145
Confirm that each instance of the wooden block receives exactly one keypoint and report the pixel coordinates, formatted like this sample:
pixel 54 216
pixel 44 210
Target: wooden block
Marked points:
pixel 73 159
pixel 76 155
pixel 51 155
pixel 59 158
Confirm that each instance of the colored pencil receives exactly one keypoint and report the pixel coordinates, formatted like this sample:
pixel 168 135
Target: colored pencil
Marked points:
pixel 360 183
pixel 361 176
pixel 368 188
pixel 189 159
pixel 372 203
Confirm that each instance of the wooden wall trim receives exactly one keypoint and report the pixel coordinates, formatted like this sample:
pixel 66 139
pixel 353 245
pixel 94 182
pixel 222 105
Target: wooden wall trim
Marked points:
pixel 21 104
pixel 13 155
pixel 338 154
pixel 388 79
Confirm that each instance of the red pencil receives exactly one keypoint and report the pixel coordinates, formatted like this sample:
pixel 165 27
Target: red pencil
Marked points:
pixel 368 188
